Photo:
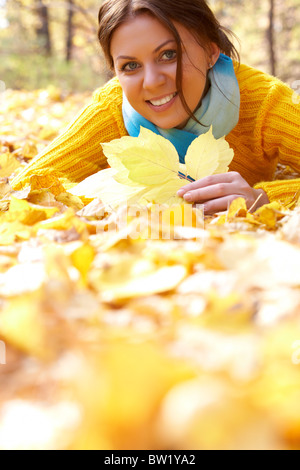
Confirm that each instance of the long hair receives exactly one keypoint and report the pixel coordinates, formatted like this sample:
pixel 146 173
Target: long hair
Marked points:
pixel 194 15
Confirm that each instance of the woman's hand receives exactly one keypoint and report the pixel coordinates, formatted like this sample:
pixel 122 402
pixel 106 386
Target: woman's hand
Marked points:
pixel 216 192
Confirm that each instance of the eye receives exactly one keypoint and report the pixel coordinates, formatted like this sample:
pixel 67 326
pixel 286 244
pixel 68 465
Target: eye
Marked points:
pixel 169 55
pixel 130 67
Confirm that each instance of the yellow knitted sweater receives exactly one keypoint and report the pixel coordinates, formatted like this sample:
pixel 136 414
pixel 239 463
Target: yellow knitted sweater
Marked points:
pixel 268 133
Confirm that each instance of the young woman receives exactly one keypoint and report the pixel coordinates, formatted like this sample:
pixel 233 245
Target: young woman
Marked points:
pixel 177 74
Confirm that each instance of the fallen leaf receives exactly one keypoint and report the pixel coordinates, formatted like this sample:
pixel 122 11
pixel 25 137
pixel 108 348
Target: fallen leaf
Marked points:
pixel 125 281
pixel 51 183
pixel 27 213
pixel 8 164
pixel 238 208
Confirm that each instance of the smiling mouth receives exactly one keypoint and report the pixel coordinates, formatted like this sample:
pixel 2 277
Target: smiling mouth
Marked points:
pixel 163 101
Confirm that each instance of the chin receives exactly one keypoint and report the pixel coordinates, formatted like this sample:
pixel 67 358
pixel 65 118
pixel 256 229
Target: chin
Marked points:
pixel 170 125
pixel 165 127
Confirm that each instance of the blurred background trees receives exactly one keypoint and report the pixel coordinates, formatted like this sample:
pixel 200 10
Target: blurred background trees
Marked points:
pixel 55 42
pixel 269 33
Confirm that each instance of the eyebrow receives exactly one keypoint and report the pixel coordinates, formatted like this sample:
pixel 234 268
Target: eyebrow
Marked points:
pixel 127 57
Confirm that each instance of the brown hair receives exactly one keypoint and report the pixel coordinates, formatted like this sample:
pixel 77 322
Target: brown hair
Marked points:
pixel 194 15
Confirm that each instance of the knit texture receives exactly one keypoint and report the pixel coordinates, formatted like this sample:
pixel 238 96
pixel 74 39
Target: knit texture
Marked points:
pixel 268 133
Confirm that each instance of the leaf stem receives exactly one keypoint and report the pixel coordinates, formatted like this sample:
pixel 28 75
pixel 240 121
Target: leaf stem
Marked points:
pixel 184 177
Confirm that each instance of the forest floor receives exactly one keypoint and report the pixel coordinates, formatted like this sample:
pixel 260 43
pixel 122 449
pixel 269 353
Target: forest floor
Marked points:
pixel 114 341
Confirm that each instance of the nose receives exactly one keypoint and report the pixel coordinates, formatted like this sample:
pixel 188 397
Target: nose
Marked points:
pixel 153 77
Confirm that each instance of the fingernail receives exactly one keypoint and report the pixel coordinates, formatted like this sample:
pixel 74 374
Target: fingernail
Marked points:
pixel 180 192
pixel 188 196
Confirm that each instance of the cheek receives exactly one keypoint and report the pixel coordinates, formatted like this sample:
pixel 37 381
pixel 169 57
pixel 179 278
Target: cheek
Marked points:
pixel 129 86
pixel 171 71
pixel 193 84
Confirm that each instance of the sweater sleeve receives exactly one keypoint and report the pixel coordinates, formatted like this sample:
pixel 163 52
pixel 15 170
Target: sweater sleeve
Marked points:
pixel 281 140
pixel 76 153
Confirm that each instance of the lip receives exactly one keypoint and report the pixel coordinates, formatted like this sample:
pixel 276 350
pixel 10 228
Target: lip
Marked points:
pixel 163 107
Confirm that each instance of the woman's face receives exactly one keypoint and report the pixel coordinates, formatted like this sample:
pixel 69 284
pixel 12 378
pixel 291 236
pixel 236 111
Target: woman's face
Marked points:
pixel 145 59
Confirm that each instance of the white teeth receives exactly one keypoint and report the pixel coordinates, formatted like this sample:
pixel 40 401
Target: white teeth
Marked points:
pixel 163 100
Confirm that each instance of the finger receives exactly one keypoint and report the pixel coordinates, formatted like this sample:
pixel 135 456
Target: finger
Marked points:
pixel 209 193
pixel 219 205
pixel 208 181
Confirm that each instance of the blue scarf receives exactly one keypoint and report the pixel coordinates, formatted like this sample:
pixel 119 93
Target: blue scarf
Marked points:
pixel 220 108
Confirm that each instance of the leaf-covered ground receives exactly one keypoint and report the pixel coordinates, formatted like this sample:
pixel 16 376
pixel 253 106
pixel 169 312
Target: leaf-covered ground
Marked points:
pixel 115 341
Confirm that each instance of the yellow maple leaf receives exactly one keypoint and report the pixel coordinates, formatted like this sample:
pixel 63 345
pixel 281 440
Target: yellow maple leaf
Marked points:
pixel 147 169
pixel 164 194
pixel 149 159
pixel 104 185
pixel 202 160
